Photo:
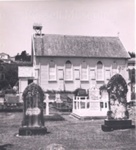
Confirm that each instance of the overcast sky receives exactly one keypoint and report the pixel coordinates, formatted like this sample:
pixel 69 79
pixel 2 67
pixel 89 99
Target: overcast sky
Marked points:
pixel 71 17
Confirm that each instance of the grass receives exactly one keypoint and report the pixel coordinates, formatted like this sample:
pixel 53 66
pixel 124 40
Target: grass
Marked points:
pixel 54 117
pixel 71 133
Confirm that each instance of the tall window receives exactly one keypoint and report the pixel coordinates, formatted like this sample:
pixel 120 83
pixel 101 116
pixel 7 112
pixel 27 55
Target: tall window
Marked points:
pixel 68 71
pixel 107 74
pixel 84 71
pixel 36 73
pixel 52 71
pixel 114 68
pixel 60 74
pixel 100 72
pixel 77 74
pixel 92 74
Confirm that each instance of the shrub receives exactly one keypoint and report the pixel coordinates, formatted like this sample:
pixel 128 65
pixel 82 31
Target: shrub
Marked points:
pixel 80 92
pixel 10 91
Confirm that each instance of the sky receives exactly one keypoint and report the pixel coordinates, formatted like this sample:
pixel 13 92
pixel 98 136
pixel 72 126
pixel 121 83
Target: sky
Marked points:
pixel 67 17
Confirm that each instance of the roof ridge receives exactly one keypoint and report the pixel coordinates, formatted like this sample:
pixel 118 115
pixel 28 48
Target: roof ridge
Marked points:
pixel 68 35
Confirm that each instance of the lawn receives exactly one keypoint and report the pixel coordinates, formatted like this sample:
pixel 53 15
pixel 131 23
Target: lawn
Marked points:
pixel 71 133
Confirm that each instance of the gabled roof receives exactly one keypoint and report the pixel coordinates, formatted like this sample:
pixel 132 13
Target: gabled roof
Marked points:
pixel 79 46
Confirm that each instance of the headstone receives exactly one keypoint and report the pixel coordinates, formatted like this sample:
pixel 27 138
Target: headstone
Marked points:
pixel 104 95
pixel 94 93
pixel 117 116
pixel 33 119
pixel 47 101
pixel 57 98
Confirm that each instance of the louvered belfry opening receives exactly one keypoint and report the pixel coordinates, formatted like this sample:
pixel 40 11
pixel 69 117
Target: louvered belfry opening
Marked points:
pixel 38 28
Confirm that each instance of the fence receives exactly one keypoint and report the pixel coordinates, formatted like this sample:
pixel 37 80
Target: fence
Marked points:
pixel 87 107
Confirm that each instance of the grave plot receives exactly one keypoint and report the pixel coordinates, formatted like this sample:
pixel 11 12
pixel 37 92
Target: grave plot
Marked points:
pixel 60 101
pixel 53 107
pixel 93 106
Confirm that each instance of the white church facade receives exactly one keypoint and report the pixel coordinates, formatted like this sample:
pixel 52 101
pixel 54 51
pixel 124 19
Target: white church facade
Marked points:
pixel 65 62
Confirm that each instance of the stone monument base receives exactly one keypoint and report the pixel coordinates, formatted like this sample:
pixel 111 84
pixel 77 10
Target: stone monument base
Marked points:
pixel 28 131
pixel 110 125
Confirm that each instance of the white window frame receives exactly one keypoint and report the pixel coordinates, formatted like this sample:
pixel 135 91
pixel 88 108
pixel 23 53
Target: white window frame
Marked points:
pixel 114 71
pixel 71 72
pixel 102 74
pixel 61 76
pixel 87 72
pixel 55 72
pixel 91 77
pixel 107 69
pixel 77 77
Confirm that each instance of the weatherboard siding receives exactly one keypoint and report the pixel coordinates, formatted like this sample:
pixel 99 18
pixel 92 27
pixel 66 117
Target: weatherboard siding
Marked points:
pixel 44 77
pixel 58 84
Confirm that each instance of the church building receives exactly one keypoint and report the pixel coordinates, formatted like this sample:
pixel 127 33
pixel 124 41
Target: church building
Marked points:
pixel 68 62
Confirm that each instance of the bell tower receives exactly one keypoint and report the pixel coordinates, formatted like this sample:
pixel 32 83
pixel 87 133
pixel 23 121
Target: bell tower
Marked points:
pixel 38 28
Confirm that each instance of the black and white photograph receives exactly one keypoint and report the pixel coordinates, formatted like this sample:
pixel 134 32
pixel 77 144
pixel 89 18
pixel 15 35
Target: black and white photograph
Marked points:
pixel 67 75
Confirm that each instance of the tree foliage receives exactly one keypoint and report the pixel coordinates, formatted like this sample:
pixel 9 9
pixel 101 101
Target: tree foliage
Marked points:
pixel 10 75
pixel 24 56
pixel 132 54
pixel 132 74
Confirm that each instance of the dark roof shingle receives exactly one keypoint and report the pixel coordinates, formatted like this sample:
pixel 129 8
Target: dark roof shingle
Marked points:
pixel 79 46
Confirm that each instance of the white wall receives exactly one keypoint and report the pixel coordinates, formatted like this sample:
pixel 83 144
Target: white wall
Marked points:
pixel 44 82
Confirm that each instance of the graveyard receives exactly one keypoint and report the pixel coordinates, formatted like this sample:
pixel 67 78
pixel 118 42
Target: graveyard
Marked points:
pixel 73 134
pixel 44 125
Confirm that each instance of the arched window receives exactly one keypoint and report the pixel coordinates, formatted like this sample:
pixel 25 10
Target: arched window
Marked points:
pixel 84 71
pixel 100 72
pixel 68 70
pixel 52 71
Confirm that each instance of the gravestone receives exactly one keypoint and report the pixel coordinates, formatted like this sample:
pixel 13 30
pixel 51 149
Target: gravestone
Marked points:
pixel 104 95
pixel 94 93
pixel 117 116
pixel 57 98
pixel 47 101
pixel 33 119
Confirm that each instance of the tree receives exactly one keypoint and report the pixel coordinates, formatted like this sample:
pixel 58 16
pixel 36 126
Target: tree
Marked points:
pixel 132 74
pixel 10 75
pixel 132 54
pixel 17 57
pixel 24 56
